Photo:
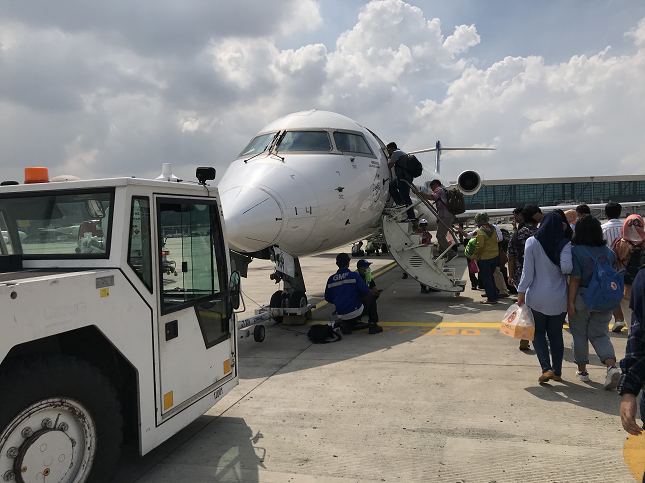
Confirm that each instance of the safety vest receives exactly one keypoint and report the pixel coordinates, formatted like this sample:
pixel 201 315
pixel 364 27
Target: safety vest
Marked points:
pixel 368 276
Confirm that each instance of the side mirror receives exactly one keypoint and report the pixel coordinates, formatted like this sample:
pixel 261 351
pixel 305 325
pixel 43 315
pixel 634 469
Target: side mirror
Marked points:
pixel 235 289
pixel 95 208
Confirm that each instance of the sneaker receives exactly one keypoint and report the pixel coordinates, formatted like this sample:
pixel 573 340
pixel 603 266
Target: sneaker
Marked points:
pixel 375 329
pixel 613 376
pixel 546 376
pixel 618 326
pixel 583 376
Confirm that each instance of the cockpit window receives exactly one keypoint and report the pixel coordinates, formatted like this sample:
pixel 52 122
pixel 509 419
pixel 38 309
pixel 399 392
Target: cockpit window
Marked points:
pixel 257 144
pixel 353 143
pixel 305 141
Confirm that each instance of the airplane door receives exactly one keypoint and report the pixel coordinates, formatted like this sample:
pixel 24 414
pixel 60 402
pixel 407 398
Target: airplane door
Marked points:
pixel 194 328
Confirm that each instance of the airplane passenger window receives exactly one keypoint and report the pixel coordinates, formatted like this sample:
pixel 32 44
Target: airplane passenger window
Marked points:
pixel 257 144
pixel 353 143
pixel 305 141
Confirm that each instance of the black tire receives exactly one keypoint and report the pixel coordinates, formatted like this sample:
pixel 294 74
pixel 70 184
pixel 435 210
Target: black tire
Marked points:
pixel 27 381
pixel 276 302
pixel 258 333
pixel 297 299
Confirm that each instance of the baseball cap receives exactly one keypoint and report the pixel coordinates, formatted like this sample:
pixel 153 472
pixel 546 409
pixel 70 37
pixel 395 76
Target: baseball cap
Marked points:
pixel 363 263
pixel 342 259
pixel 422 221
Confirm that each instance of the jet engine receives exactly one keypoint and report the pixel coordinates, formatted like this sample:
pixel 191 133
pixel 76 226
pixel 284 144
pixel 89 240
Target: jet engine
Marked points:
pixel 469 182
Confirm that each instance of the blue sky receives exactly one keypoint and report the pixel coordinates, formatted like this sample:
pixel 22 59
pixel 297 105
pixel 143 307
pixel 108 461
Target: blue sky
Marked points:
pixel 118 88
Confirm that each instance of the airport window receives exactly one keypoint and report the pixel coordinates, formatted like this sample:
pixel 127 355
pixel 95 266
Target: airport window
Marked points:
pixel 258 144
pixel 352 143
pixel 139 255
pixel 58 225
pixel 193 264
pixel 305 141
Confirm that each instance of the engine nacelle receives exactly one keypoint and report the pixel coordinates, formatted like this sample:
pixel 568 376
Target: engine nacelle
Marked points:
pixel 469 182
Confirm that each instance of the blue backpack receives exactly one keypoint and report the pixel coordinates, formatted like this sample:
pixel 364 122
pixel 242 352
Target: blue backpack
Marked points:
pixel 605 290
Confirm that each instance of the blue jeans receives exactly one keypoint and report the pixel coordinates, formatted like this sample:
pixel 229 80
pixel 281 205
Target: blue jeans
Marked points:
pixel 400 192
pixel 590 325
pixel 549 326
pixel 486 277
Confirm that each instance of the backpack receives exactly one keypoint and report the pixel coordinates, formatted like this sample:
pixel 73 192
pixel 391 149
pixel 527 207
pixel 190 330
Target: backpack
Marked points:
pixel 319 333
pixel 456 201
pixel 414 167
pixel 636 262
pixel 605 290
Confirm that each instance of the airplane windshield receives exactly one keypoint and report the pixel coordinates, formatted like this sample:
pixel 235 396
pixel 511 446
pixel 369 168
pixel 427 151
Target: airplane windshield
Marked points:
pixel 353 143
pixel 305 141
pixel 258 144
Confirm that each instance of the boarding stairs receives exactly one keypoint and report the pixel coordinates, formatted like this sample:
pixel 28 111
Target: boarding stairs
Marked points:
pixel 416 259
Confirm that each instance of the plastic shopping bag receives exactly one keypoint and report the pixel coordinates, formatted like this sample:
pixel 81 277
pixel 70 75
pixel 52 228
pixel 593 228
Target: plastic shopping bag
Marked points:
pixel 518 322
pixel 473 268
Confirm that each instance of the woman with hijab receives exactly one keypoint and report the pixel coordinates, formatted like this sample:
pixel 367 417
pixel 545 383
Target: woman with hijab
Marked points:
pixel 487 254
pixel 543 288
pixel 629 250
pixel 569 231
pixel 633 365
pixel 587 324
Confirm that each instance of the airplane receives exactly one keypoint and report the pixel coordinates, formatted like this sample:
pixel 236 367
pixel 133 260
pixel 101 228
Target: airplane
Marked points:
pixel 309 182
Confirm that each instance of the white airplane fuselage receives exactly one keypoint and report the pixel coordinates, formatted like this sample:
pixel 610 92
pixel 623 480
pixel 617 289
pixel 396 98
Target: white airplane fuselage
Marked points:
pixel 306 201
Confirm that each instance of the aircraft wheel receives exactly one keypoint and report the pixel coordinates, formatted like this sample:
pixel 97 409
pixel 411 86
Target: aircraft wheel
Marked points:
pixel 276 302
pixel 298 299
pixel 60 413
pixel 258 333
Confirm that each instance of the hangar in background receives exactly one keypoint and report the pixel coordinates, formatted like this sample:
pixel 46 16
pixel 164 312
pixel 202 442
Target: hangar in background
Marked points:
pixel 510 193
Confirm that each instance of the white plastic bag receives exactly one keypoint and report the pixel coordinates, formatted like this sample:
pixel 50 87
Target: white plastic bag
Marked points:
pixel 518 322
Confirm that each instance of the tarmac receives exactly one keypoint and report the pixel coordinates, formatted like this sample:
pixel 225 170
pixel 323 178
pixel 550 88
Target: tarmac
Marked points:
pixel 439 396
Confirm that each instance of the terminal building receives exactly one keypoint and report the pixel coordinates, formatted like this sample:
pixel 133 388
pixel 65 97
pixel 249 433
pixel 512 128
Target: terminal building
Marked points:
pixel 512 193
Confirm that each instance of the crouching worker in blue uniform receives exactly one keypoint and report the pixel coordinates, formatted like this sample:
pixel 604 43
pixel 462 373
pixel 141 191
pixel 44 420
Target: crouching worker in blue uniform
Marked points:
pixel 352 298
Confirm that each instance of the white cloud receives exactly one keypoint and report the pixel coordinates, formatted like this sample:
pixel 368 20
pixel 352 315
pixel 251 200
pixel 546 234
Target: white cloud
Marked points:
pixel 101 96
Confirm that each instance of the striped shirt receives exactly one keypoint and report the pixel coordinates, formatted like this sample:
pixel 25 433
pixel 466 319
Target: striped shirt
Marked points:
pixel 612 230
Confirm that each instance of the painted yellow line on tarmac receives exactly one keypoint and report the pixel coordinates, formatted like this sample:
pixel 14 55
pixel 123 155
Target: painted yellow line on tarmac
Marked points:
pixel 434 325
pixel 380 271
pixel 634 455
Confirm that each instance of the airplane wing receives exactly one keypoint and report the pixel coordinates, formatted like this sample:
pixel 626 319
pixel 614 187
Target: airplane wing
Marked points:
pixel 493 212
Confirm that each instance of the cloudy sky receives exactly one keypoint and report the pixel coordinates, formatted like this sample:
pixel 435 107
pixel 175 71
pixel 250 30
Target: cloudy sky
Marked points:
pixel 116 88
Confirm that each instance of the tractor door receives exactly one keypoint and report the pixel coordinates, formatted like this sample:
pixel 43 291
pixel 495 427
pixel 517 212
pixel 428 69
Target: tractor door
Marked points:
pixel 194 325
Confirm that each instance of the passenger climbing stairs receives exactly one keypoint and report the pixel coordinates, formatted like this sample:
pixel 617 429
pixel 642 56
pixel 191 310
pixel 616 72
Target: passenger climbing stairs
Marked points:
pixel 417 260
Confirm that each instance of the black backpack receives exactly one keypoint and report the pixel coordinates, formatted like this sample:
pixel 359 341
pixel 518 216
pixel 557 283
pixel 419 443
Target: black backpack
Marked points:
pixel 414 167
pixel 319 333
pixel 636 262
pixel 456 201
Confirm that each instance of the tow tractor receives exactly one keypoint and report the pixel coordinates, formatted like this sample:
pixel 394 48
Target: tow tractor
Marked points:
pixel 118 319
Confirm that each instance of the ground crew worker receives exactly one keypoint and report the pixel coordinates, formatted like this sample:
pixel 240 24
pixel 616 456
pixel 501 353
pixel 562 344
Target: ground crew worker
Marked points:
pixel 352 298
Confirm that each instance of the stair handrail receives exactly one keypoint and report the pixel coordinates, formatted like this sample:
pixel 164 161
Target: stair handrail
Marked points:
pixel 434 211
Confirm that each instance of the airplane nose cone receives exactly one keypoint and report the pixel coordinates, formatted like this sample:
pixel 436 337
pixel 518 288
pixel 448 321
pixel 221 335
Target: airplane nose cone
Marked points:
pixel 253 218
